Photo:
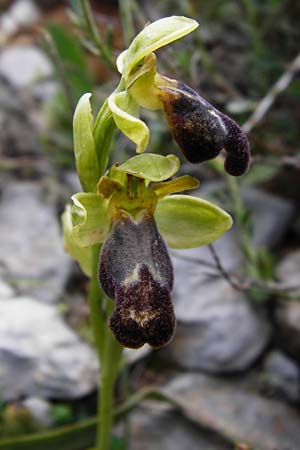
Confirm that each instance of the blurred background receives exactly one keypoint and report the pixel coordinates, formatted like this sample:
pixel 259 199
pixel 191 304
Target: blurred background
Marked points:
pixel 231 376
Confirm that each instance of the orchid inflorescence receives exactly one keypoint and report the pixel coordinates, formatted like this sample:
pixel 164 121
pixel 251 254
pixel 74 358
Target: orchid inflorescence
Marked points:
pixel 133 208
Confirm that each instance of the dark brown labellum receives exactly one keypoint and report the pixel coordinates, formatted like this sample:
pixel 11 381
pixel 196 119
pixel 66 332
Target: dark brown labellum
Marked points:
pixel 136 271
pixel 201 131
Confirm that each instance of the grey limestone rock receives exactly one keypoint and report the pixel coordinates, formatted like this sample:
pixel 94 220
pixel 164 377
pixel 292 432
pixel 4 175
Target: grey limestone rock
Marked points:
pixel 32 253
pixel 235 412
pixel 40 355
pixel 157 428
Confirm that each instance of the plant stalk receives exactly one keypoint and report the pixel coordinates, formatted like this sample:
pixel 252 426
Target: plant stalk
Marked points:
pixel 109 370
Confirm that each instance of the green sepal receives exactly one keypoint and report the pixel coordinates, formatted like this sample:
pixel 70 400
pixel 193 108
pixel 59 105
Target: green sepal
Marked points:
pixel 184 183
pixel 89 218
pixel 187 222
pixel 82 255
pixel 125 112
pixel 151 167
pixel 152 37
pixel 84 145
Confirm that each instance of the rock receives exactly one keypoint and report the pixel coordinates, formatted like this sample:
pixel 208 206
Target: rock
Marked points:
pixel 271 215
pixel 18 135
pixel 40 410
pixel 158 428
pixel 235 413
pixel 21 13
pixel 132 356
pixel 288 269
pixel 287 313
pixel 6 291
pixel 32 253
pixel 282 376
pixel 40 355
pixel 218 329
pixel 24 64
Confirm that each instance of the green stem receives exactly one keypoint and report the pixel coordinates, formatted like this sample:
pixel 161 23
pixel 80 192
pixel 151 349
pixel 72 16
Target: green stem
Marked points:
pixel 109 370
pixel 109 354
pixel 127 21
pixel 95 299
pixel 239 210
pixel 94 34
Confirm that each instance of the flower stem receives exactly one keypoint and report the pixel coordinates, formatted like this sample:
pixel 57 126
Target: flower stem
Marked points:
pixel 95 299
pixel 109 354
pixel 109 370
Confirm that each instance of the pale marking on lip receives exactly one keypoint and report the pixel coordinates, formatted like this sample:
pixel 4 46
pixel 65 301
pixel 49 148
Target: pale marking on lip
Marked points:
pixel 134 276
pixel 141 317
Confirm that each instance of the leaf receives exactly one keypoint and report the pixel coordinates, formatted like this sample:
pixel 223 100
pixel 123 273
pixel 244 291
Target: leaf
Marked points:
pixel 72 58
pixel 89 218
pixel 125 111
pixel 82 255
pixel 152 167
pixel 152 37
pixel 84 145
pixel 187 222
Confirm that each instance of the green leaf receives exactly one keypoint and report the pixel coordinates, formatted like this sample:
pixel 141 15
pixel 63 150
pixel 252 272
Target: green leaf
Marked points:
pixel 73 59
pixel 125 111
pixel 89 218
pixel 84 145
pixel 152 167
pixel 82 255
pixel 152 37
pixel 187 222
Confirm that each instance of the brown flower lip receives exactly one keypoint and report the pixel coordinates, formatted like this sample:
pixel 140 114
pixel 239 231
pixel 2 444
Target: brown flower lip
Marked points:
pixel 201 131
pixel 136 271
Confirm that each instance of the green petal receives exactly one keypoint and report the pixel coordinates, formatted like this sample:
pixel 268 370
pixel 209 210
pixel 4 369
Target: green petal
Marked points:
pixel 82 255
pixel 152 167
pixel 125 109
pixel 89 218
pixel 84 146
pixel 152 37
pixel 184 183
pixel 187 222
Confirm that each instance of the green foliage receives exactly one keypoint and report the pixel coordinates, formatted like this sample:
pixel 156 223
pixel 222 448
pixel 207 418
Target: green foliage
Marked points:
pixel 72 58
pixel 62 414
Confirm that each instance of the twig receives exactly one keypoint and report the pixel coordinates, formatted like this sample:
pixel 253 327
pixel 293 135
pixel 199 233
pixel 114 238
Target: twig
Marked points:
pixel 272 287
pixel 265 104
pixel 287 161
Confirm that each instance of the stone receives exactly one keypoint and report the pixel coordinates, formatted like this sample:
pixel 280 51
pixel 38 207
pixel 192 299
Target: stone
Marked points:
pixel 288 269
pixel 161 428
pixel 18 134
pixel 6 291
pixel 23 64
pixel 287 312
pixel 281 376
pixel 235 413
pixel 40 409
pixel 21 13
pixel 218 329
pixel 32 253
pixel 40 355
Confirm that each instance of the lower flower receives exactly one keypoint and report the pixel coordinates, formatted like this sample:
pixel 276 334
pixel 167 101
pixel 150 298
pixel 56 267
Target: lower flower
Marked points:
pixel 136 271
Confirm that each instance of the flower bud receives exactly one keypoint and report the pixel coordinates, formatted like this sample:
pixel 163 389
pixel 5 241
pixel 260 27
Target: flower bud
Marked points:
pixel 200 130
pixel 136 271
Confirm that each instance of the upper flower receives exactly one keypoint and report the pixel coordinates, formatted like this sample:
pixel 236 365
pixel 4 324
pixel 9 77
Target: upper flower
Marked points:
pixel 200 130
